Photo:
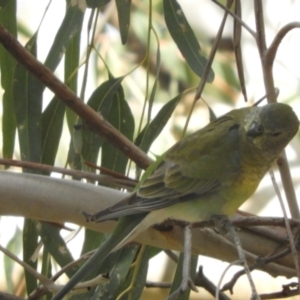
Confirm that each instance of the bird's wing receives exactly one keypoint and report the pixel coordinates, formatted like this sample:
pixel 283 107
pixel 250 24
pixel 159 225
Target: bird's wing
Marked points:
pixel 191 168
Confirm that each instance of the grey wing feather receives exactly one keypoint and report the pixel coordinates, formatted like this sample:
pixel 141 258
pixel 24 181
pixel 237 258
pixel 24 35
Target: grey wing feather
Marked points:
pixel 155 194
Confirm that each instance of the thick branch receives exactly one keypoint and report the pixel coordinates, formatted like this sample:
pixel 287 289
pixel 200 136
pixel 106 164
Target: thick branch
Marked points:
pixel 57 200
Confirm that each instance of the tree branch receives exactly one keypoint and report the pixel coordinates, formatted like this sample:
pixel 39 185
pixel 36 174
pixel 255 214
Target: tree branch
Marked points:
pixel 93 120
pixel 57 200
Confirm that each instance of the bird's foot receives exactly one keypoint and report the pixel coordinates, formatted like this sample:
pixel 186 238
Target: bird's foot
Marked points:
pixel 221 223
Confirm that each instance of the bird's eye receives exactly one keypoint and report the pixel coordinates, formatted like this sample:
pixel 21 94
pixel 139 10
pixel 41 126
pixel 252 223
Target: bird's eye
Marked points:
pixel 260 129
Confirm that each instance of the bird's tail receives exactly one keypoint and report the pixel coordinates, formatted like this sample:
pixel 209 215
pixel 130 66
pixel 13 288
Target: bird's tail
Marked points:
pixel 120 236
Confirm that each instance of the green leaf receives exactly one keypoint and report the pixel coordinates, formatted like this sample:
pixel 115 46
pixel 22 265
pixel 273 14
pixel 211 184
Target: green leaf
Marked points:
pixel 178 276
pixel 14 246
pixel 71 75
pixel 151 131
pixel 46 266
pixel 140 277
pixel 46 269
pixel 122 119
pixel 7 67
pixel 118 275
pixel 185 38
pixel 71 25
pixel 96 3
pixel 123 8
pixel 154 88
pixel 52 124
pixel 27 102
pixel 57 247
pixel 28 109
pixel 92 240
pixel 3 3
pixel 101 101
pixel 30 243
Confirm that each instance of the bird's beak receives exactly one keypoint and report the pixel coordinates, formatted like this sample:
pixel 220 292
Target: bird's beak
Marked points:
pixel 255 129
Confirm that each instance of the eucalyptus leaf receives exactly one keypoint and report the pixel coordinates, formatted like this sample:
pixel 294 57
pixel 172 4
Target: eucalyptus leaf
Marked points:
pixel 7 66
pixel 101 101
pixel 30 243
pixel 185 38
pixel 96 3
pixel 118 275
pixel 52 124
pixel 28 109
pixel 57 247
pixel 123 8
pixel 152 130
pixel 121 118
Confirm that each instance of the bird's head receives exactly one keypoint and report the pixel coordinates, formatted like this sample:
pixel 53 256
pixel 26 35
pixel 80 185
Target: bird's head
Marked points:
pixel 271 127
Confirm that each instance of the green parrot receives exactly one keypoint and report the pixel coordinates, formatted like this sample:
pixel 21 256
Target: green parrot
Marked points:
pixel 210 172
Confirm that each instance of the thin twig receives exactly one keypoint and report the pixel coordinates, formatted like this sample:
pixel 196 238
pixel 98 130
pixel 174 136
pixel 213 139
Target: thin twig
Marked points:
pixel 171 255
pixel 270 53
pixel 288 186
pixel 186 265
pixel 230 228
pixel 218 289
pixel 126 183
pixel 252 32
pixel 202 281
pixel 288 290
pixel 288 228
pixel 249 221
pixel 260 27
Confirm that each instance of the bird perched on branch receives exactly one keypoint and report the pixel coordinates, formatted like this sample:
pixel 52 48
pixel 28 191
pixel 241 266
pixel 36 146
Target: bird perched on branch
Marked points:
pixel 210 172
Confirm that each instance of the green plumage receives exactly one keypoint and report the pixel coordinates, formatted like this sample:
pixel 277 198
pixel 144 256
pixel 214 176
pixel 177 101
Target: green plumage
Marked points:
pixel 212 171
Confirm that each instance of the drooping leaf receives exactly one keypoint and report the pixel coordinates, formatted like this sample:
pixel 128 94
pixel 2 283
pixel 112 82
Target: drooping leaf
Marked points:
pixel 101 101
pixel 57 247
pixel 30 242
pixel 7 67
pixel 185 38
pixel 118 275
pixel 96 3
pixel 28 109
pixel 121 118
pixel 46 269
pixel 14 246
pixel 123 8
pixel 154 88
pixel 92 240
pixel 151 131
pixel 70 26
pixel 52 123
pixel 140 278
pixel 71 77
